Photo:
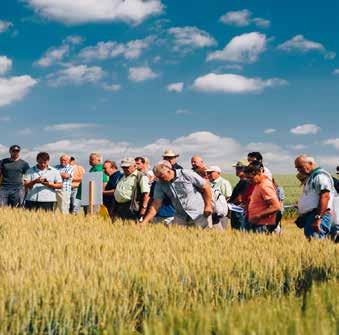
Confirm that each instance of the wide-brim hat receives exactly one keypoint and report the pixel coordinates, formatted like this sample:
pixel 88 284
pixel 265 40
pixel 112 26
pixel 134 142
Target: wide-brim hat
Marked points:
pixel 170 153
pixel 242 163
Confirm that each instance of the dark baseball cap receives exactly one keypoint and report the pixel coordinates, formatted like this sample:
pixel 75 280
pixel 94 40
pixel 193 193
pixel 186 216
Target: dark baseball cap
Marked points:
pixel 15 147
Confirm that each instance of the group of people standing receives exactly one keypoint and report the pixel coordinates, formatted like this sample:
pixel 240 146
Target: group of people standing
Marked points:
pixel 168 193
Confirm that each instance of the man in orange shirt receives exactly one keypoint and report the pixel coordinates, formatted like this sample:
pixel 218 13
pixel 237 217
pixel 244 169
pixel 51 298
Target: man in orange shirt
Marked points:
pixel 78 174
pixel 263 203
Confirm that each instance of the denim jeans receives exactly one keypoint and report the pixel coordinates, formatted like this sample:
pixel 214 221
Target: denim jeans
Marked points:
pixel 12 197
pixel 325 226
pixel 238 221
pixel 75 204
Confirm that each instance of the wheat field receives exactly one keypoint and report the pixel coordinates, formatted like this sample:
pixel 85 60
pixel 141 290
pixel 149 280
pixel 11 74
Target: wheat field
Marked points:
pixel 76 275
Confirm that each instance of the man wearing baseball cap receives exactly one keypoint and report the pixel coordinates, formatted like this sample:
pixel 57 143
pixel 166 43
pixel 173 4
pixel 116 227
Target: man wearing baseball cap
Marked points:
pixel 12 170
pixel 218 182
pixel 132 192
pixel 238 197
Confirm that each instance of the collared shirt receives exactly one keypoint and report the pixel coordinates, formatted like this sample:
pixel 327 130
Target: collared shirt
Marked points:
pixel 39 192
pixel 319 181
pixel 223 185
pixel 184 192
pixel 126 185
pixel 66 183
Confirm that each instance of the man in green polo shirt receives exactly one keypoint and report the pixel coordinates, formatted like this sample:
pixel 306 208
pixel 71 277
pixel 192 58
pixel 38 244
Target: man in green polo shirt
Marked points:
pixel 95 160
pixel 132 192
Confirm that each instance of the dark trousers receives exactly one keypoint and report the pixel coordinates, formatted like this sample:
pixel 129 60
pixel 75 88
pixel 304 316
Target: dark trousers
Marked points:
pixel 123 211
pixel 238 221
pixel 11 197
pixel 37 205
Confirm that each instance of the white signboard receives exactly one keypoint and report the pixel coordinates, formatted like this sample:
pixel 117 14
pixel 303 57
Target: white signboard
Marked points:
pixel 96 178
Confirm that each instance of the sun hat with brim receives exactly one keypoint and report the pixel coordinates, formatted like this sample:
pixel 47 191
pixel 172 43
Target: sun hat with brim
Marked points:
pixel 169 153
pixel 242 163
pixel 127 162
pixel 213 168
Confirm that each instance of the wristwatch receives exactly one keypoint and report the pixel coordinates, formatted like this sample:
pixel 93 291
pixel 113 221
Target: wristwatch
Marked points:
pixel 318 217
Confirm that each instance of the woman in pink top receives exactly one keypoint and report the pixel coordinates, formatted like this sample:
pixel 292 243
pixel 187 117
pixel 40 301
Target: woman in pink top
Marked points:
pixel 264 202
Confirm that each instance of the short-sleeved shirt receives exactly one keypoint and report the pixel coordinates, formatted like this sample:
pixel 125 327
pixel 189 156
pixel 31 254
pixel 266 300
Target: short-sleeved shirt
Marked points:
pixel 262 193
pixel 126 185
pixel 223 185
pixel 239 189
pixel 96 168
pixel 319 181
pixel 66 183
pixel 12 172
pixel 39 192
pixel 112 184
pixel 184 191
pixel 78 173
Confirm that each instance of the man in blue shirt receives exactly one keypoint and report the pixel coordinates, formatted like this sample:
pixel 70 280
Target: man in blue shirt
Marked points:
pixel 111 170
pixel 190 195
pixel 64 194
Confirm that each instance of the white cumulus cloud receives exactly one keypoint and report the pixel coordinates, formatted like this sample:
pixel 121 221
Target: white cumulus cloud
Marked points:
pixel 112 87
pixel 270 131
pixel 245 48
pixel 53 55
pixel 215 150
pixel 243 18
pixel 300 44
pixel 111 49
pixel 69 126
pixel 189 38
pixel 332 141
pixel 83 11
pixel 234 84
pixel 57 54
pixel 306 129
pixel 76 75
pixel 15 88
pixel 5 64
pixel 175 87
pixel 5 25
pixel 141 73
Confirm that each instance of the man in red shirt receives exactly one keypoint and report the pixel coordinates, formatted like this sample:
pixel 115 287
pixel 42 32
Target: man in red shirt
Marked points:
pixel 263 203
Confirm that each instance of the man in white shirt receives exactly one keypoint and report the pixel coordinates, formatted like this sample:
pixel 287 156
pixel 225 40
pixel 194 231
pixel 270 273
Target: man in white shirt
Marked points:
pixel 41 182
pixel 316 202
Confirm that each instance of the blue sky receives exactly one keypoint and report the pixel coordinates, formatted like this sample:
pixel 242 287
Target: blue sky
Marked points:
pixel 135 77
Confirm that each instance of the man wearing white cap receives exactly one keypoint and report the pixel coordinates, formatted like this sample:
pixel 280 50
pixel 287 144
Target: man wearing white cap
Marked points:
pixel 132 192
pixel 190 195
pixel 218 182
pixel 170 156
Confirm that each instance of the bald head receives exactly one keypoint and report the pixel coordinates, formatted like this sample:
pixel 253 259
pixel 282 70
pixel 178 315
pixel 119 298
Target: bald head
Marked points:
pixel 305 164
pixel 197 162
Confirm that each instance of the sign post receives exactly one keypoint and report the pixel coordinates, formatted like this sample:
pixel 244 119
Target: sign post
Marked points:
pixel 91 191
pixel 91 198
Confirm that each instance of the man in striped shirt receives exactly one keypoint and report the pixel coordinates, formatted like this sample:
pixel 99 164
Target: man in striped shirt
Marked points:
pixel 64 194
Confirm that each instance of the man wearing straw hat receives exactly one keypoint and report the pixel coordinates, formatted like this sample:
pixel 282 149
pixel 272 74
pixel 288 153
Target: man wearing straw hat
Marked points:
pixel 170 156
